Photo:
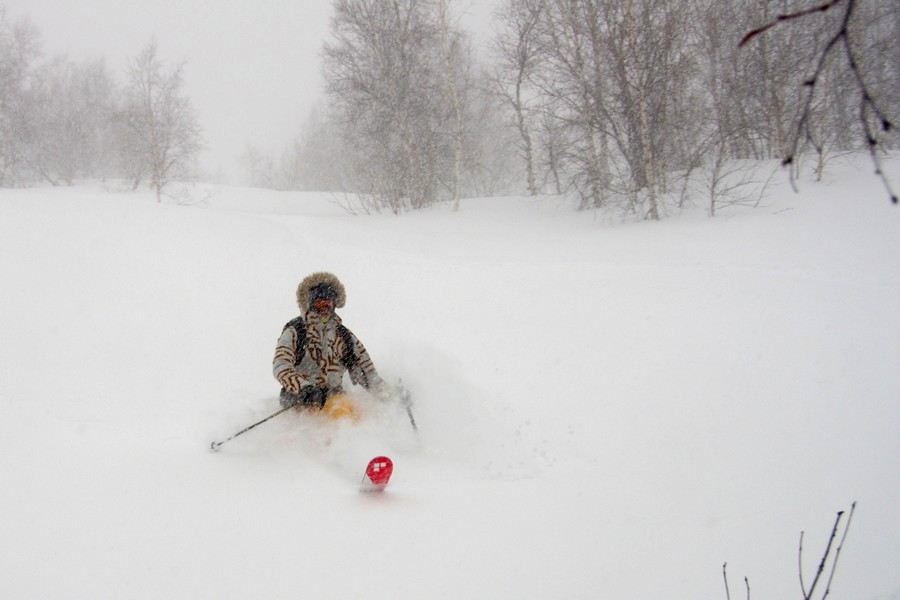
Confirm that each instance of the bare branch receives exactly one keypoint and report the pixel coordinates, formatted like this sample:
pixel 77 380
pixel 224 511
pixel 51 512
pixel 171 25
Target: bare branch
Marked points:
pixel 815 582
pixel 868 106
pixel 800 566
pixel 788 17
pixel 837 552
pixel 725 576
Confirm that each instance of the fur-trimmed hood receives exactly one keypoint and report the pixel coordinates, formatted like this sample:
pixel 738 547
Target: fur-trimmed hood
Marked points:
pixel 319 278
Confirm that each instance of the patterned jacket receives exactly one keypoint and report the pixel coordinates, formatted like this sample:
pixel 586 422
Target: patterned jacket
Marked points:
pixel 320 352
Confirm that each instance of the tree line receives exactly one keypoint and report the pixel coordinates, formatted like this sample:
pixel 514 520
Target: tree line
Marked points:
pixel 633 105
pixel 61 120
pixel 637 105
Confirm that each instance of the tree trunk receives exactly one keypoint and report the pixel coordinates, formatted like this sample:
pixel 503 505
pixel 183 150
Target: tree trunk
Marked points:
pixel 454 97
pixel 644 121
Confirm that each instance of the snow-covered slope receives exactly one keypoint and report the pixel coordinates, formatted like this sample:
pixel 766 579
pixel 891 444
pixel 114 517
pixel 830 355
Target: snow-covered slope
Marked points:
pixel 605 411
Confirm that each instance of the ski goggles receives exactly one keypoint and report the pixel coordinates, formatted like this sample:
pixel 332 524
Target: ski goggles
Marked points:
pixel 323 304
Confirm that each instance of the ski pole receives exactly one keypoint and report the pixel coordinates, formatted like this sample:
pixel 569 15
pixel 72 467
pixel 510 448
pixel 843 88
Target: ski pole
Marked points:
pixel 412 420
pixel 215 445
pixel 406 401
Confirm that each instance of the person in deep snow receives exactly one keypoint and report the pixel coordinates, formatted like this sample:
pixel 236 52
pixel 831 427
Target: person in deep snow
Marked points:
pixel 315 349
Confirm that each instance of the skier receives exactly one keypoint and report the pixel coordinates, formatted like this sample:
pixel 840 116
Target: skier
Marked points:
pixel 315 349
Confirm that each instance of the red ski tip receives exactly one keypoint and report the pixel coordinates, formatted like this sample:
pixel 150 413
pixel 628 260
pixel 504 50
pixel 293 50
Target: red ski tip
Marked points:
pixel 378 473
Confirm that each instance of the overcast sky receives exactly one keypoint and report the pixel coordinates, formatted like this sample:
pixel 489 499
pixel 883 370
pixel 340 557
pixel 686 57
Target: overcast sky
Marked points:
pixel 253 68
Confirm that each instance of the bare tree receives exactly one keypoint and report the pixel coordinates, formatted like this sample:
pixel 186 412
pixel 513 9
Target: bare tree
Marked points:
pixel 260 167
pixel 72 110
pixel 57 123
pixel 160 129
pixel 570 81
pixel 876 82
pixel 450 54
pixel 404 89
pixel 515 57
pixel 489 162
pixel 317 159
pixel 610 80
pixel 19 48
pixel 381 71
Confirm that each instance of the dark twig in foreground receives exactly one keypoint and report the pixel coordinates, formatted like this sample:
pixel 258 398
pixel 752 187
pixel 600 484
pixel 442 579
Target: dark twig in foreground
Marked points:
pixel 869 110
pixel 807 595
pixel 837 552
pixel 725 576
pixel 788 17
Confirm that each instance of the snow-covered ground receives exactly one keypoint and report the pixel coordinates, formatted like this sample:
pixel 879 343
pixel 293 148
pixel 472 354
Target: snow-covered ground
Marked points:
pixel 605 410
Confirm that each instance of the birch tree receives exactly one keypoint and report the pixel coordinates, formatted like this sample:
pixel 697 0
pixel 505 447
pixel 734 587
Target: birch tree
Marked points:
pixel 19 48
pixel 515 55
pixel 570 81
pixel 381 71
pixel 609 77
pixel 403 87
pixel 450 54
pixel 72 110
pixel 161 135
pixel 854 50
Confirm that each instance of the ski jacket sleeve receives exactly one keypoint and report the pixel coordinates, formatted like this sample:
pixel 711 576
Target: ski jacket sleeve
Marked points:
pixel 359 364
pixel 285 353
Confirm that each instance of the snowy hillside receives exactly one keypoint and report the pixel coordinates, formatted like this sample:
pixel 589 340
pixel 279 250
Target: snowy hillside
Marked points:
pixel 605 411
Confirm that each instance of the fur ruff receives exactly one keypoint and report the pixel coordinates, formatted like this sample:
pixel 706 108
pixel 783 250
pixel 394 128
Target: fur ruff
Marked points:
pixel 319 278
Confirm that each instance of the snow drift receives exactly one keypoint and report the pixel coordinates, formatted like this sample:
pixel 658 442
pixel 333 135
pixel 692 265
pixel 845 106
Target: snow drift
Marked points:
pixel 605 411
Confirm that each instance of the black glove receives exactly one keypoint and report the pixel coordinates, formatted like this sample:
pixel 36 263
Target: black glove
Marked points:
pixel 312 396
